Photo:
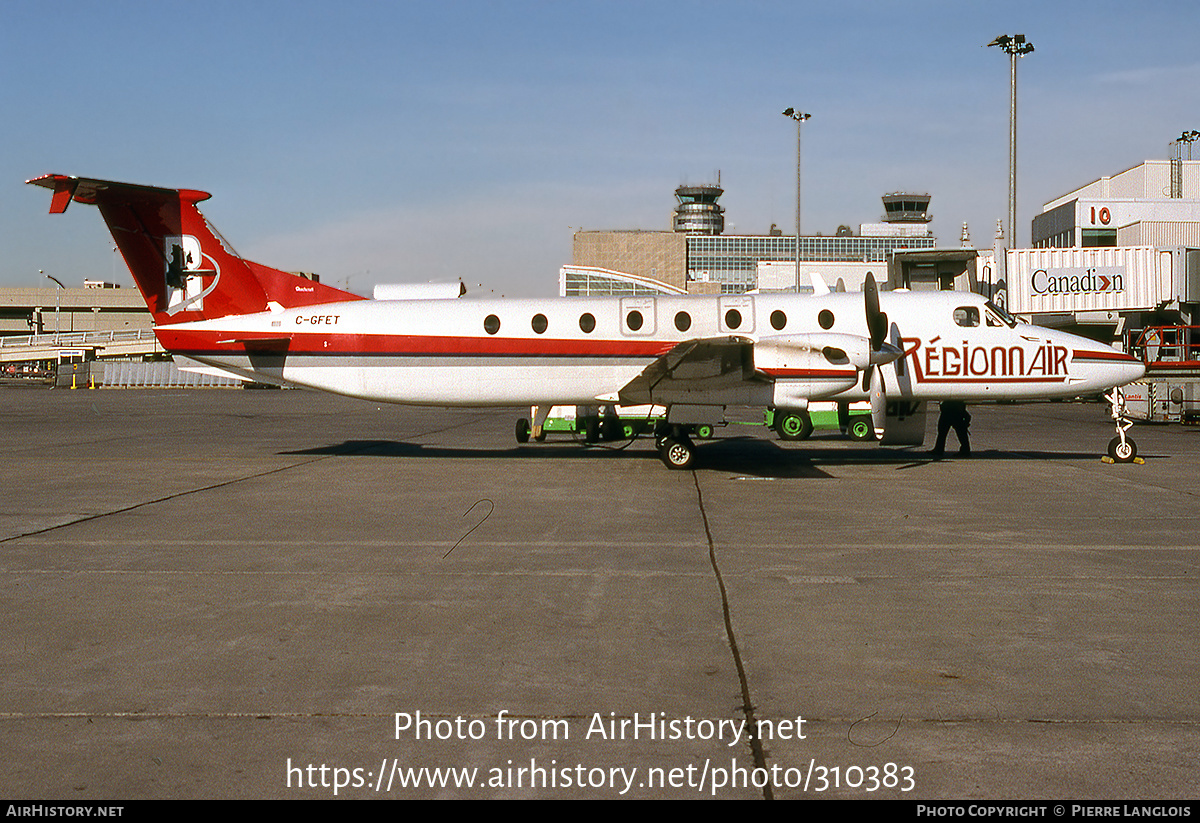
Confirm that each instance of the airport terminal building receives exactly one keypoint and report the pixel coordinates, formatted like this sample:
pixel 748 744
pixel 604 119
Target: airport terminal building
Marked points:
pixel 95 307
pixel 697 258
pixel 1119 259
pixel 1156 203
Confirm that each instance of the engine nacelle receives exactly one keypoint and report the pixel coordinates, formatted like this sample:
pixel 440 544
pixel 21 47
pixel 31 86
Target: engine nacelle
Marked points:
pixel 807 366
pixel 822 350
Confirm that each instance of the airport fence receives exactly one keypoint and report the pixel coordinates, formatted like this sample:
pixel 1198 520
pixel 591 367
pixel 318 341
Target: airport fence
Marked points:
pixel 160 374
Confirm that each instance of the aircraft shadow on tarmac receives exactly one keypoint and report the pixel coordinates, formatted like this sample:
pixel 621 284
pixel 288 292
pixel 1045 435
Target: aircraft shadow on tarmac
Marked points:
pixel 749 456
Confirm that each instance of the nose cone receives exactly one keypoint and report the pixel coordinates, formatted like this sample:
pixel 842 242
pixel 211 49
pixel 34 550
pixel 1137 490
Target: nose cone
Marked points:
pixel 1102 367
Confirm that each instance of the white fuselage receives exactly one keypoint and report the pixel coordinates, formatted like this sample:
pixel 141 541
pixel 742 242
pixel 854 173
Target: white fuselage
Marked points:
pixel 466 352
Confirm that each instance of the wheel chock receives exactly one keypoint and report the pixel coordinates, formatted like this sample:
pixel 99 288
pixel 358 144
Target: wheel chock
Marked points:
pixel 1136 461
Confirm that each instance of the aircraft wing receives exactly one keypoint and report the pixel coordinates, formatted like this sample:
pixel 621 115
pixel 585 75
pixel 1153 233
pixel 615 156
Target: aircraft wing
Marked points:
pixel 691 368
pixel 794 368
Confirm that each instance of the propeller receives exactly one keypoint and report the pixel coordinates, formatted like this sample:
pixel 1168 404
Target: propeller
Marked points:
pixel 881 352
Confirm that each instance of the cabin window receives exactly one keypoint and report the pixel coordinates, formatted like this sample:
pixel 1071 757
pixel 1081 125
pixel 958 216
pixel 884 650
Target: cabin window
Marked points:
pixel 825 319
pixel 966 316
pixel 634 320
pixel 683 321
pixel 733 318
pixel 539 323
pixel 587 323
pixel 778 320
pixel 491 324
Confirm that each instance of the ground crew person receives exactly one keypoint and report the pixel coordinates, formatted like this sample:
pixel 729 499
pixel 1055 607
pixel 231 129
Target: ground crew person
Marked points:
pixel 954 415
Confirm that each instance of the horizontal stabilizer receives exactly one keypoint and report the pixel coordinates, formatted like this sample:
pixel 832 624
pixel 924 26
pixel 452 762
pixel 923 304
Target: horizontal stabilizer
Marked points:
pixel 187 364
pixel 92 192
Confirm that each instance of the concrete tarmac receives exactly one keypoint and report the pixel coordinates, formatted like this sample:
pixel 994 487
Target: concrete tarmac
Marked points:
pixel 283 594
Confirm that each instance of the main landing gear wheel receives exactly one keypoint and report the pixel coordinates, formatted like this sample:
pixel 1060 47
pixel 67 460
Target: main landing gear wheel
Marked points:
pixel 1122 450
pixel 611 428
pixel 861 428
pixel 677 453
pixel 795 425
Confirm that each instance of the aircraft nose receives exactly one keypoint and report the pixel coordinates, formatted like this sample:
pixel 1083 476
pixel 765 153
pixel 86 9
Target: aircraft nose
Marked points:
pixel 1108 366
pixel 1134 371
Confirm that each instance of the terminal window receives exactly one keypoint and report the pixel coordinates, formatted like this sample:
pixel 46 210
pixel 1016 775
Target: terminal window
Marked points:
pixel 1094 238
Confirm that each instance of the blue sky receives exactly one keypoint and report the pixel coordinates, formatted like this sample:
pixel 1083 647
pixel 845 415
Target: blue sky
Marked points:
pixel 415 141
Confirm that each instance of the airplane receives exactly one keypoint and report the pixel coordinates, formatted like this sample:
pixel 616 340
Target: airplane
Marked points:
pixel 693 355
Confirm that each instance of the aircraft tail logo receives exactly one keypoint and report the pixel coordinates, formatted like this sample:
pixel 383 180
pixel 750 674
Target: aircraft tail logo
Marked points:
pixel 184 268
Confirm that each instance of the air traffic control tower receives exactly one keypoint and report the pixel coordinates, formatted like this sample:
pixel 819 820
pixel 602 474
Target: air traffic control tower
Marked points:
pixel 697 211
pixel 906 207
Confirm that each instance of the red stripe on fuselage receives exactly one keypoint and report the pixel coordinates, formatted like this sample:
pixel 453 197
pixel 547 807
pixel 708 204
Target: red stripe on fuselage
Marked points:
pixel 810 373
pixel 410 345
pixel 1104 356
pixel 1000 380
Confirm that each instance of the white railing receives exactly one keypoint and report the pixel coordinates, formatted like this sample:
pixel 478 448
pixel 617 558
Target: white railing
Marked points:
pixel 76 339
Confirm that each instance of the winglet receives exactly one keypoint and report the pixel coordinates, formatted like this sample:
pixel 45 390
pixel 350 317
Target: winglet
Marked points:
pixel 818 283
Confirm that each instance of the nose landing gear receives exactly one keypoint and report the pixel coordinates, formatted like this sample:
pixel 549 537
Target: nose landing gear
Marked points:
pixel 1121 449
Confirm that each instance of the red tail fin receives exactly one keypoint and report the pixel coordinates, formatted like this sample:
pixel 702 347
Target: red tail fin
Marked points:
pixel 183 267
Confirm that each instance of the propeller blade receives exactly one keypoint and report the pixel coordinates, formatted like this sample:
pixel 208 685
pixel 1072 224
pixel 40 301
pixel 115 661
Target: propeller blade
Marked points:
pixel 877 322
pixel 878 406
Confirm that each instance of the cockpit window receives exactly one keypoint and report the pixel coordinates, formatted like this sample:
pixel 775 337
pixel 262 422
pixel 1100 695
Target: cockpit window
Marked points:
pixel 966 316
pixel 995 313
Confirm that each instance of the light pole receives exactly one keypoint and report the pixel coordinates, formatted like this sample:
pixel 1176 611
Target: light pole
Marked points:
pixel 1015 46
pixel 57 292
pixel 799 117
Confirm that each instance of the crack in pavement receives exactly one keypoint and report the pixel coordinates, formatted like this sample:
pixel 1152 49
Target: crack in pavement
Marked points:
pixel 187 492
pixel 747 707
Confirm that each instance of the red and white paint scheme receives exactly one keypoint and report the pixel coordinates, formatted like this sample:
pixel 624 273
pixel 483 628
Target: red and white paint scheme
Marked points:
pixel 692 354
